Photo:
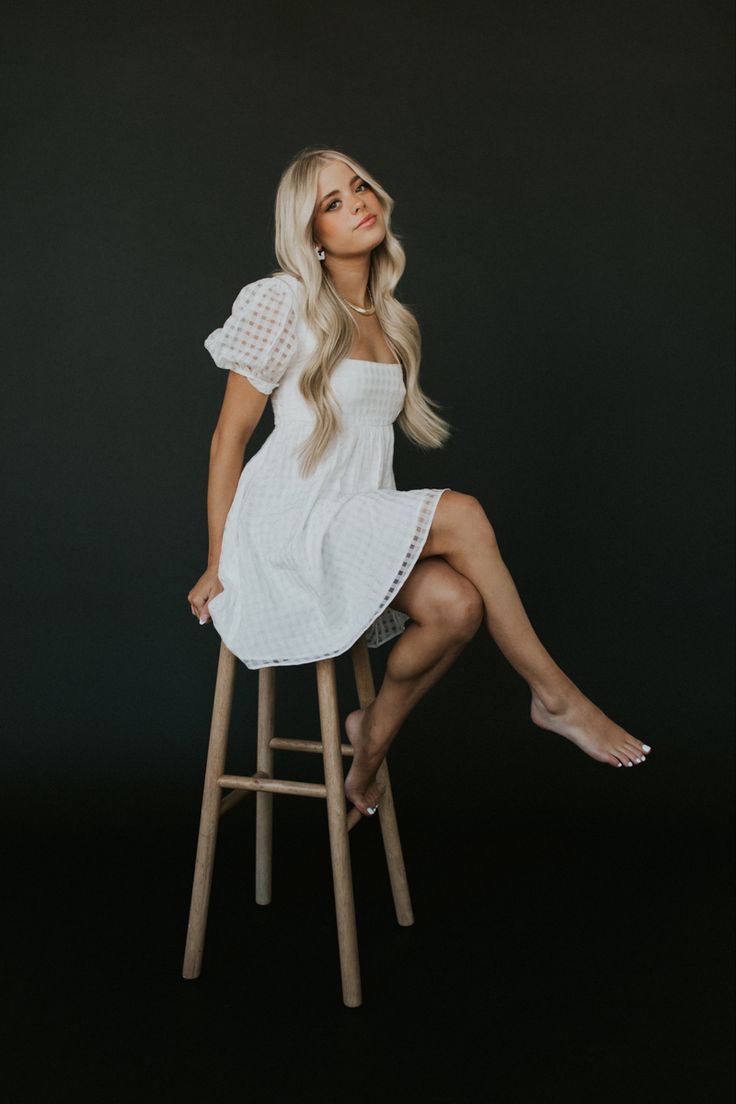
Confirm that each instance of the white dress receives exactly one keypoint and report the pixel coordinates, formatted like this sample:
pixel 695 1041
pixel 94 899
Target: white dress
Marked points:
pixel 310 565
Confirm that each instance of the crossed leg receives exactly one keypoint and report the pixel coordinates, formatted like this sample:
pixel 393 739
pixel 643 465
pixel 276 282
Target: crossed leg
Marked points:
pixel 446 611
pixel 463 538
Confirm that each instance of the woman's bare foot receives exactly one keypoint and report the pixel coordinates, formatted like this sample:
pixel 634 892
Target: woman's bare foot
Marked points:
pixel 576 717
pixel 369 751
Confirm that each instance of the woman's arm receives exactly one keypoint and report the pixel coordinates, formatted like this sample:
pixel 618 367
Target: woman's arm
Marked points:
pixel 242 408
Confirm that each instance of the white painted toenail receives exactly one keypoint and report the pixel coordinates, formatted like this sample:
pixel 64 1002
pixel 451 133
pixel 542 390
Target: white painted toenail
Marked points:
pixel 646 747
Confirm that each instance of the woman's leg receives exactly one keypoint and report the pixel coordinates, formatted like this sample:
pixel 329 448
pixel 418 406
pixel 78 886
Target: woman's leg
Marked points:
pixel 462 538
pixel 462 535
pixel 446 612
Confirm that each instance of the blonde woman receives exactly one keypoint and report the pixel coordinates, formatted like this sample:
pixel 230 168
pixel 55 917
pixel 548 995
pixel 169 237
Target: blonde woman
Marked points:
pixel 310 543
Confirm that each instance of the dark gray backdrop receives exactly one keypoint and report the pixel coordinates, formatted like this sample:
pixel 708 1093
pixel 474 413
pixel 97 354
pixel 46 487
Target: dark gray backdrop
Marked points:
pixel 562 175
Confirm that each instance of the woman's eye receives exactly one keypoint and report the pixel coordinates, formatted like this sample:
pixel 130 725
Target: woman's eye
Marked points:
pixel 362 184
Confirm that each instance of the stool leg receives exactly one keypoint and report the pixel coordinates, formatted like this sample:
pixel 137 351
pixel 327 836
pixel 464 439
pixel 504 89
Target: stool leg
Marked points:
pixel 210 814
pixel 386 811
pixel 264 800
pixel 347 935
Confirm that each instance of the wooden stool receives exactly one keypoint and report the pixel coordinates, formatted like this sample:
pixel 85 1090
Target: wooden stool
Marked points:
pixel 339 823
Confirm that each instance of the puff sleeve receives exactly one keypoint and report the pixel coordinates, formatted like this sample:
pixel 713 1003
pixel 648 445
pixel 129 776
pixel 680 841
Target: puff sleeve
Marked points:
pixel 259 339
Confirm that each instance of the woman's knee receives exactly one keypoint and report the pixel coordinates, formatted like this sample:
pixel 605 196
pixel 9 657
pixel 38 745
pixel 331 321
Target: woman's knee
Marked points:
pixel 458 607
pixel 467 516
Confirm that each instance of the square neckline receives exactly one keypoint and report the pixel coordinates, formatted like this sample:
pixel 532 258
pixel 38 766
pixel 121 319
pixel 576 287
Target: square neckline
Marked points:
pixel 384 363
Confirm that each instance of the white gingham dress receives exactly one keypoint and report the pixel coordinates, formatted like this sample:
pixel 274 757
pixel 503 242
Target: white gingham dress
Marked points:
pixel 310 565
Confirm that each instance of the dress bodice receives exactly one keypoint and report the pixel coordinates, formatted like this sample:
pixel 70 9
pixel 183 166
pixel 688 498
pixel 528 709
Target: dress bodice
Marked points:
pixel 367 393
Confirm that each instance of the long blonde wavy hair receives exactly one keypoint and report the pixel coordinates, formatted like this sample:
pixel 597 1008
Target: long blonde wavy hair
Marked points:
pixel 329 318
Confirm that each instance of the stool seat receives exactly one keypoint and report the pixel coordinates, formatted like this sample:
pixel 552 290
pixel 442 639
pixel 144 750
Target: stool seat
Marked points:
pixel 265 785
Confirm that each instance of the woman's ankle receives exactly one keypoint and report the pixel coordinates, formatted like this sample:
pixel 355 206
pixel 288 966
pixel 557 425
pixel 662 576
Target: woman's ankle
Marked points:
pixel 378 732
pixel 554 694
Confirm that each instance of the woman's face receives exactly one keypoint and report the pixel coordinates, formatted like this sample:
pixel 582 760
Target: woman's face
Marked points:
pixel 343 201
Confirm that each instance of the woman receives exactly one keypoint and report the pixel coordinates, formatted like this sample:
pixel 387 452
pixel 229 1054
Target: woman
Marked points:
pixel 311 544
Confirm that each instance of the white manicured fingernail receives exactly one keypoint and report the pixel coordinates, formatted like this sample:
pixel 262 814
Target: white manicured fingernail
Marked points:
pixel 203 620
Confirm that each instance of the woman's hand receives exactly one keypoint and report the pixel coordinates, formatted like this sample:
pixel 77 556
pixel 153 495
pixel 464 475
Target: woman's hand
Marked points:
pixel 206 587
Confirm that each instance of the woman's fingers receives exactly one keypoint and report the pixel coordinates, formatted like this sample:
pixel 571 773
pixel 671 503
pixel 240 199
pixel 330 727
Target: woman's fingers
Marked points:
pixel 199 598
pixel 196 612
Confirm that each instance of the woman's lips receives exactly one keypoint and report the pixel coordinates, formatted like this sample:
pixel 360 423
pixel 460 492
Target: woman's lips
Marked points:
pixel 367 221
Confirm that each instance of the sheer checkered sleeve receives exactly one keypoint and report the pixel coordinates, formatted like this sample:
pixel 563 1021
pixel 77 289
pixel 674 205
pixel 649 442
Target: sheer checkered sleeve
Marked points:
pixel 259 339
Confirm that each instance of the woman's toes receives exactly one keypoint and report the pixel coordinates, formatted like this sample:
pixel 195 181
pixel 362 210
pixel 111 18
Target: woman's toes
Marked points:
pixel 364 802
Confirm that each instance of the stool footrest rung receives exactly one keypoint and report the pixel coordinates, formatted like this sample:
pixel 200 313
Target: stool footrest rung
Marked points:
pixel 305 745
pixel 260 781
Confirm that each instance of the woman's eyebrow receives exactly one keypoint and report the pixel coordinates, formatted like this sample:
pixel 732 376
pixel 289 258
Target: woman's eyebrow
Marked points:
pixel 336 190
